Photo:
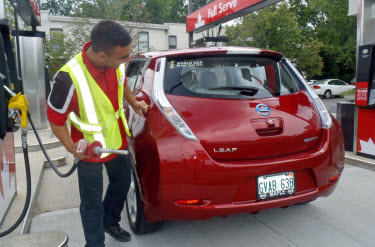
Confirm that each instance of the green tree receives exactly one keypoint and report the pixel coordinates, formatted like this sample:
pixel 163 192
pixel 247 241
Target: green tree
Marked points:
pixel 337 32
pixel 59 50
pixel 60 7
pixel 103 9
pixel 197 4
pixel 136 11
pixel 327 22
pixel 276 28
pixel 149 11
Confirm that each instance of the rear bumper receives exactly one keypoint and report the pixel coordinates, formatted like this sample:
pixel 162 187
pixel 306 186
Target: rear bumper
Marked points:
pixel 172 211
pixel 187 172
pixel 319 92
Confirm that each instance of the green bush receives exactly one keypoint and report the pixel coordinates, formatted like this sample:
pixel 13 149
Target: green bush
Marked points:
pixel 348 92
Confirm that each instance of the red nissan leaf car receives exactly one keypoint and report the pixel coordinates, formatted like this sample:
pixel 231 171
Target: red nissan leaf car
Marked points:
pixel 229 130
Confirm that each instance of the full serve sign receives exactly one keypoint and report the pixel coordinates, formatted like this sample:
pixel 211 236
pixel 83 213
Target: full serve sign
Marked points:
pixel 221 11
pixel 275 185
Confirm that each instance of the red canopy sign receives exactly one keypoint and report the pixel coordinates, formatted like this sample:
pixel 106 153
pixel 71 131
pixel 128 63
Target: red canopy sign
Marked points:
pixel 35 5
pixel 221 11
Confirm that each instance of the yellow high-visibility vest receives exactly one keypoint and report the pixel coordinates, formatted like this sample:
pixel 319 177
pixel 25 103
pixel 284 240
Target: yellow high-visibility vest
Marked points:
pixel 98 120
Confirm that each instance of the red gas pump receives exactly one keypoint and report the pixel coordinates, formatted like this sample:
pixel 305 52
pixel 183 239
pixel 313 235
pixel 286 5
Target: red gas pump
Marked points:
pixel 365 101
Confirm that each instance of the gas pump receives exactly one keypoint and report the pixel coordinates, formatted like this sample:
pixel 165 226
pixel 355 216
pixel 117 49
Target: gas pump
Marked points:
pixel 365 101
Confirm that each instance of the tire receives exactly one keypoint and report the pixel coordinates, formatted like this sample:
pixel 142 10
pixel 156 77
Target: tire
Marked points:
pixel 136 215
pixel 327 94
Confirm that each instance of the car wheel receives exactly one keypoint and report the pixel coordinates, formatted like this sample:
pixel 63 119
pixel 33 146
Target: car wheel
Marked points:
pixel 327 94
pixel 136 215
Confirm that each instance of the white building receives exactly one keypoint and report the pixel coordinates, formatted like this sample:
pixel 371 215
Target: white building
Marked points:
pixel 148 37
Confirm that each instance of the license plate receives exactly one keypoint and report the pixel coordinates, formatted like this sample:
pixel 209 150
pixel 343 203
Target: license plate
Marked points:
pixel 275 185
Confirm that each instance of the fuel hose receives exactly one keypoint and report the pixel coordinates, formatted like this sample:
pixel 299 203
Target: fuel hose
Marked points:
pixel 28 175
pixel 28 186
pixel 27 164
pixel 63 175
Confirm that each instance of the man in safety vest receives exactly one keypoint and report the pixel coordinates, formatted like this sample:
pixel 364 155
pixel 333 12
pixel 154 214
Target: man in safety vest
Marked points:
pixel 89 90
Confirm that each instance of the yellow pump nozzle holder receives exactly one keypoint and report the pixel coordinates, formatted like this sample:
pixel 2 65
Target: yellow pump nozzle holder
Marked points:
pixel 20 102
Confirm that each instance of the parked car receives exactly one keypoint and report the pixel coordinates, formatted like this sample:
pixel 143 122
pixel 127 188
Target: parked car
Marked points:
pixel 331 87
pixel 310 82
pixel 353 81
pixel 229 130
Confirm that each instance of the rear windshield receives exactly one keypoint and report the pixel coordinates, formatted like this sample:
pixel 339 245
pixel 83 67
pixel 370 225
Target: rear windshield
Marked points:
pixel 228 77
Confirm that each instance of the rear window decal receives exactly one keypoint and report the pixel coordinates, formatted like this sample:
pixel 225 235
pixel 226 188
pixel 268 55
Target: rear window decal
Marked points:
pixel 189 63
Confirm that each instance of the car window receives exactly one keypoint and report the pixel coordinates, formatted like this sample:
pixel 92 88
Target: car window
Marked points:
pixel 228 77
pixel 331 83
pixel 287 83
pixel 134 72
pixel 320 82
pixel 340 83
pixel 141 72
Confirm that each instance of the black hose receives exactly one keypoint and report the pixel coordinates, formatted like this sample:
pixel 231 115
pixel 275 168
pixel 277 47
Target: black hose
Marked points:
pixel 28 195
pixel 46 155
pixel 28 177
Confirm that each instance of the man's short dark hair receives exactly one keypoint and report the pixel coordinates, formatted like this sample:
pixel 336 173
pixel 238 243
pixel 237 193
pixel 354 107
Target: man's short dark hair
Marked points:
pixel 107 35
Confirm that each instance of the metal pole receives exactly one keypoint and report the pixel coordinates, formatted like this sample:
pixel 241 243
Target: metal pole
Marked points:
pixel 190 10
pixel 14 4
pixel 360 5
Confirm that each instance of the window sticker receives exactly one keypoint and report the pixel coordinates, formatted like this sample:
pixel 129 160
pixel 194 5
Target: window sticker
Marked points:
pixel 189 63
pixel 172 65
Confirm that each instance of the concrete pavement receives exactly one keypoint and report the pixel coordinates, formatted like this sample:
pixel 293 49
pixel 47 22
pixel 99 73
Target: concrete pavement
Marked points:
pixel 62 193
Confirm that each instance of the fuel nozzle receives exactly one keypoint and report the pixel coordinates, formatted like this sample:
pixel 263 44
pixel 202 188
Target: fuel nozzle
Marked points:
pixel 95 150
pixel 19 101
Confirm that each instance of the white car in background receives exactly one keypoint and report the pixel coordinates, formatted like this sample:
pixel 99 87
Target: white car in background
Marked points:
pixel 310 82
pixel 331 87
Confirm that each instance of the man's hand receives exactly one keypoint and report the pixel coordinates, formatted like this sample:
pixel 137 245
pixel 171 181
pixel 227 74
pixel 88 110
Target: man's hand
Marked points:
pixel 140 107
pixel 62 133
pixel 80 156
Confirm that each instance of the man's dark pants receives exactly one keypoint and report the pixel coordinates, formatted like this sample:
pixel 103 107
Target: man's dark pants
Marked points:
pixel 95 213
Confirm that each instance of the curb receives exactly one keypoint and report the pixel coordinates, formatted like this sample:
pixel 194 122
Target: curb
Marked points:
pixel 27 221
pixel 56 162
pixel 36 147
pixel 360 162
pixel 34 197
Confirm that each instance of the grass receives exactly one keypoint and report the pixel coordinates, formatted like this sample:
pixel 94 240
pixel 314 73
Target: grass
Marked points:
pixel 350 92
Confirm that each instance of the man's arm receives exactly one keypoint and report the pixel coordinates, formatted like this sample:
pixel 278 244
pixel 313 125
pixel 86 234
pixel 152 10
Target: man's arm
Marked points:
pixel 139 107
pixel 62 133
pixel 61 101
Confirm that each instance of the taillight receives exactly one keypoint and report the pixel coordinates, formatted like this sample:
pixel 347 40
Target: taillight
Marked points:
pixel 188 202
pixel 165 106
pixel 193 202
pixel 316 87
pixel 323 112
pixel 334 179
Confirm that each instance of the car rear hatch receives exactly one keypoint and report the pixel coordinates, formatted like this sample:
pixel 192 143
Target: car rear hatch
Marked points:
pixel 242 107
pixel 233 129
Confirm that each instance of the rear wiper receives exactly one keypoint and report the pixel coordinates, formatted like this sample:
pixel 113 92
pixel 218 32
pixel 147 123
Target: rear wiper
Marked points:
pixel 243 89
pixel 174 87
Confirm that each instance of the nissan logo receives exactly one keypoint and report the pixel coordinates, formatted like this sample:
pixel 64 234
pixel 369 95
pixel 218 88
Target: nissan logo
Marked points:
pixel 263 110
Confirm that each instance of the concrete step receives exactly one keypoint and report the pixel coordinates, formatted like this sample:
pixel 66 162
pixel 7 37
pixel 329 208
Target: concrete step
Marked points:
pixel 46 135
